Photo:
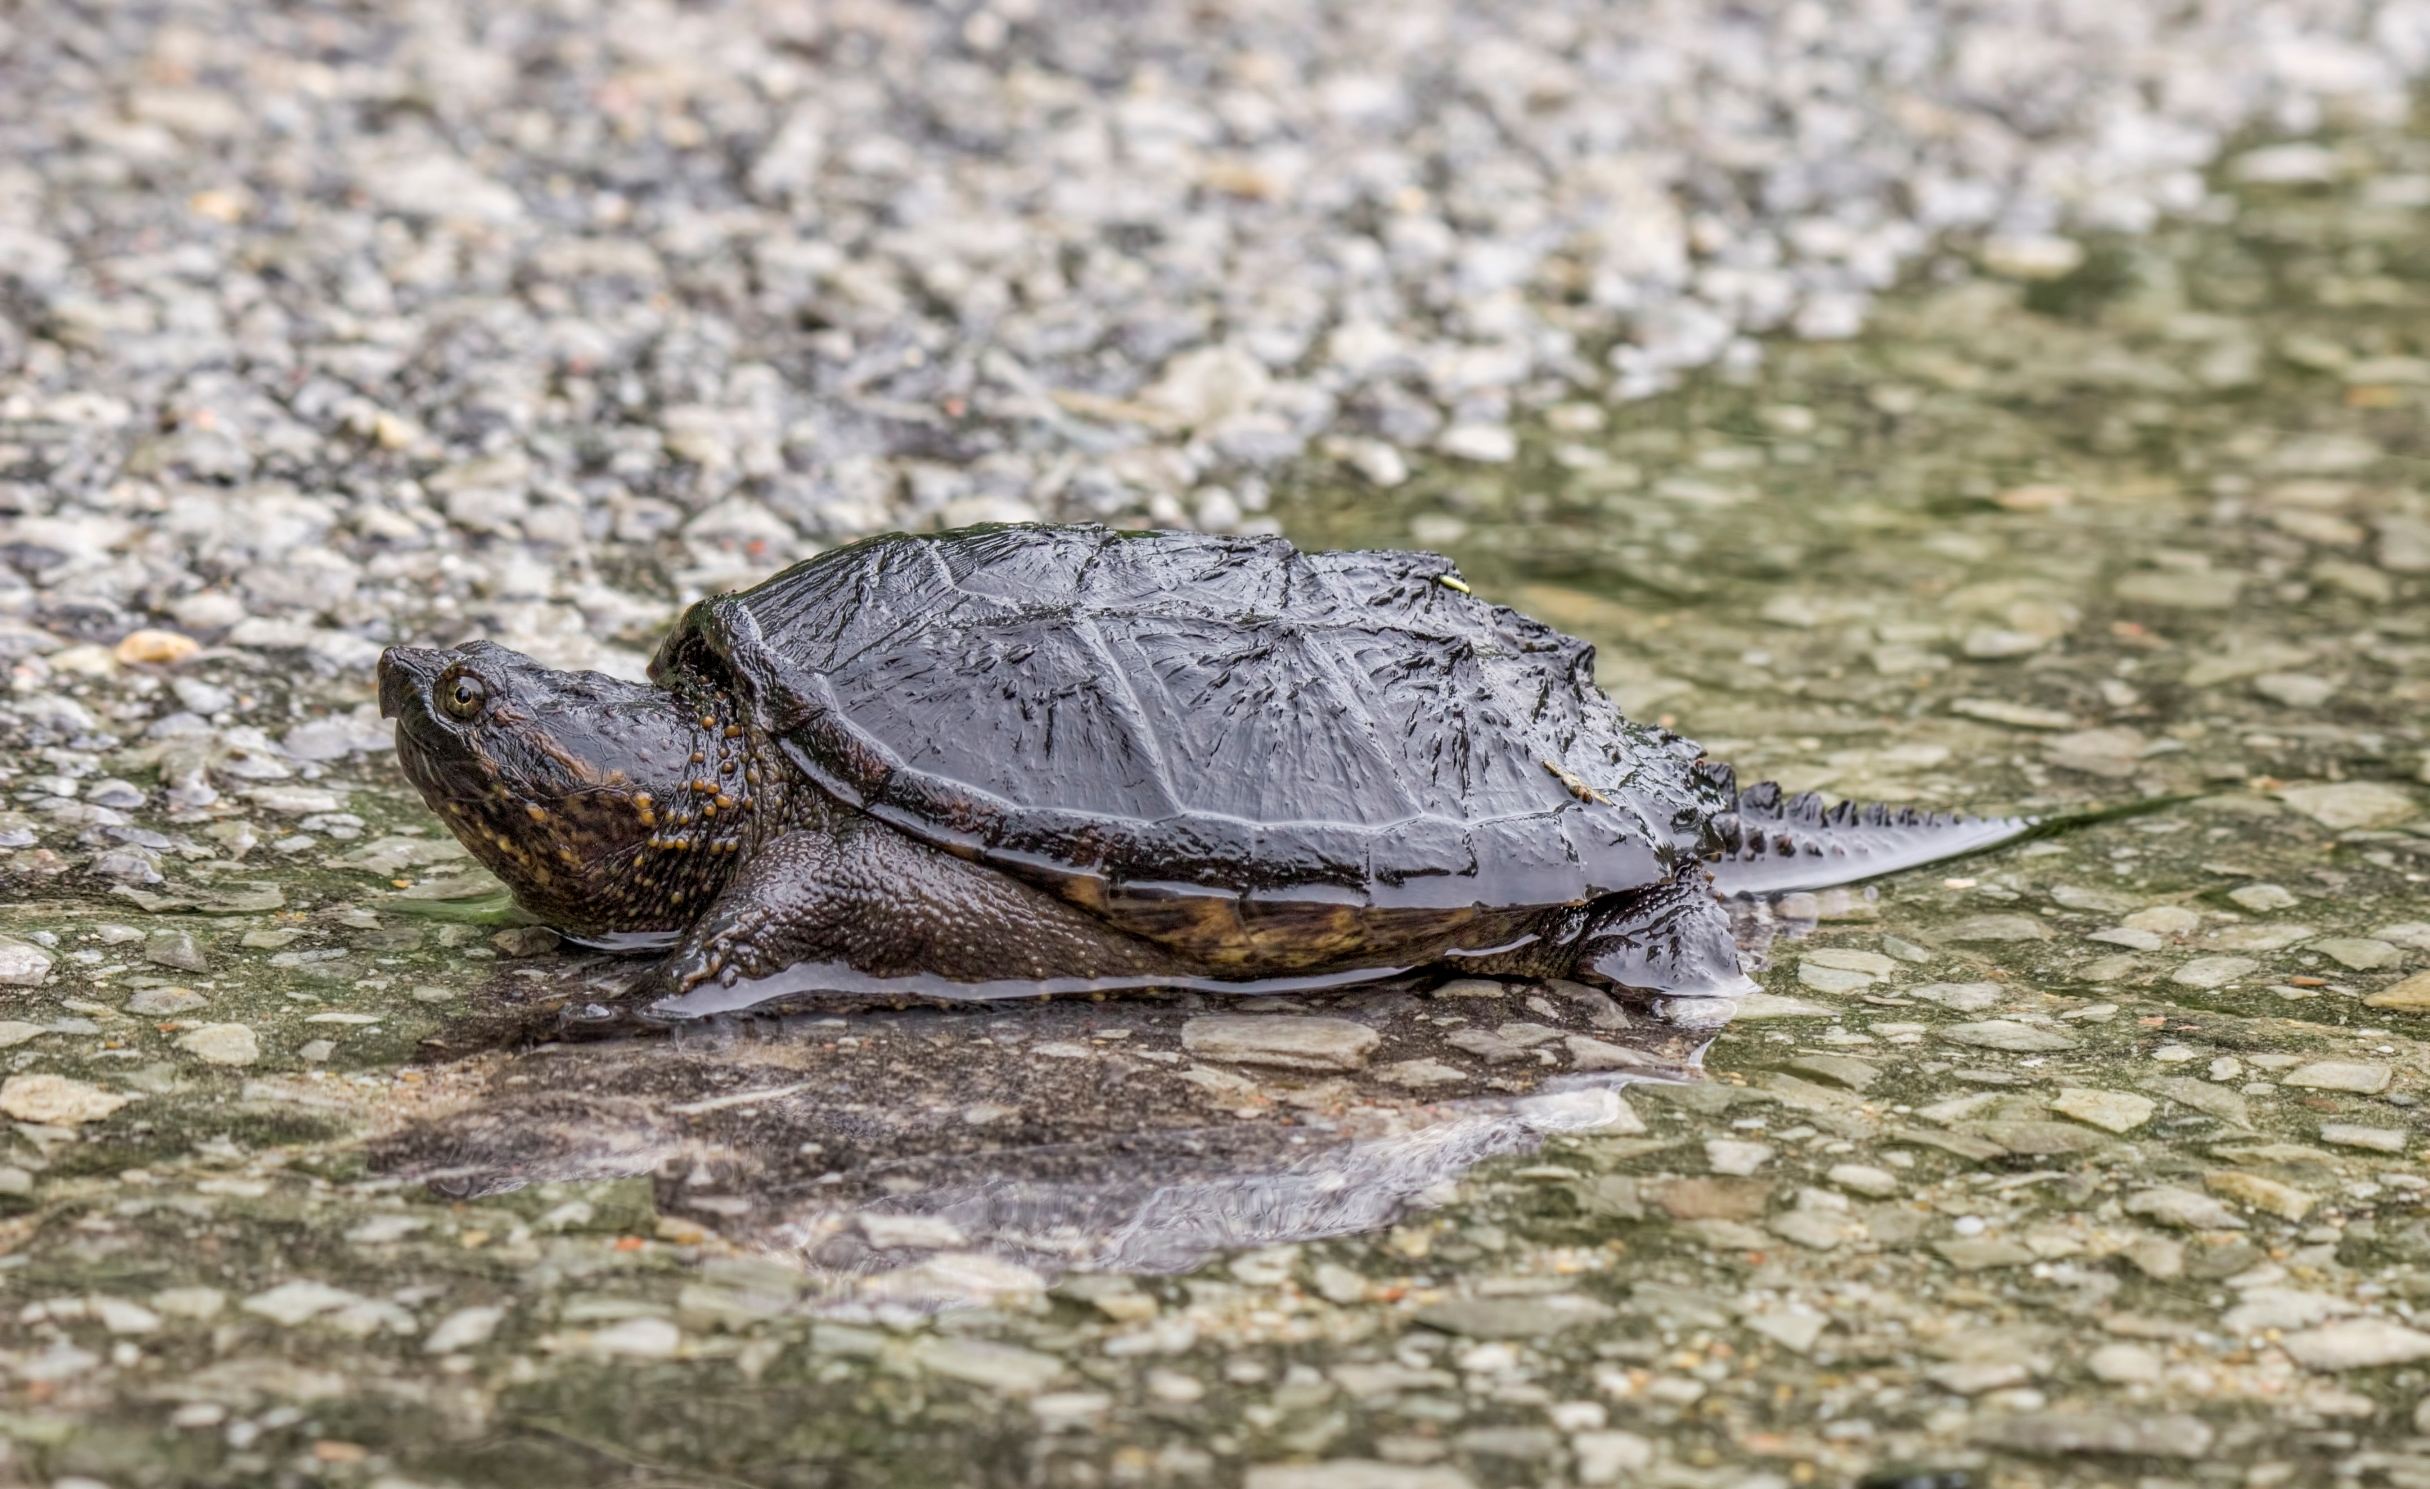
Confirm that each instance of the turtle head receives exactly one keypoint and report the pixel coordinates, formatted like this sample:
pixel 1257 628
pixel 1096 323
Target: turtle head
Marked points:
pixel 608 807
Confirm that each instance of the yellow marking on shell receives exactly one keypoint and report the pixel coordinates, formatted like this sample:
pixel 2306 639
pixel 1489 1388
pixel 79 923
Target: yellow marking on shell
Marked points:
pixel 1449 582
pixel 535 812
pixel 1577 787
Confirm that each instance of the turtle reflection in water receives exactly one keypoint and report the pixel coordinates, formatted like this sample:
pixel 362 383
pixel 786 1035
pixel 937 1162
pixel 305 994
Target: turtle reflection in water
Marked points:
pixel 1031 759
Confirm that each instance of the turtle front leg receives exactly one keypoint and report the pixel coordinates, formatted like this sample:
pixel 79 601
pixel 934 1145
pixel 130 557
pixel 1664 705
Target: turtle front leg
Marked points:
pixel 861 895
pixel 781 907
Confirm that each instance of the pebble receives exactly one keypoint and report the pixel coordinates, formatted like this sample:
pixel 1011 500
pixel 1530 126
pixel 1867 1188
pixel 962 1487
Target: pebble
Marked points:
pixel 22 963
pixel 177 949
pixel 2411 994
pixel 1610 1456
pixel 2213 971
pixel 2359 953
pixel 1846 959
pixel 466 1328
pixel 2364 1077
pixel 155 648
pixel 2130 937
pixel 1833 981
pixel 1877 1183
pixel 2165 920
pixel 1996 928
pixel 2261 899
pixel 1962 997
pixel 56 1100
pixel 1290 1041
pixel 222 1044
pixel 2127 1435
pixel 1419 1074
pixel 638 1339
pixel 2181 589
pixel 1983 1254
pixel 295 1303
pixel 2185 1208
pixel 2376 1139
pixel 1356 1473
pixel 1587 1053
pixel 1514 1318
pixel 2007 1034
pixel 2353 805
pixel 165 1002
pixel 2263 1193
pixel 1839 1070
pixel 2356 1344
pixel 2125 1364
pixel 2111 1111
pixel 1731 1156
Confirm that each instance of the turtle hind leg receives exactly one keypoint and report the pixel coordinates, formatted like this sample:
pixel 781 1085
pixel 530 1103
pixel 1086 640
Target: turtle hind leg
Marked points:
pixel 1670 940
pixel 859 895
pixel 1773 844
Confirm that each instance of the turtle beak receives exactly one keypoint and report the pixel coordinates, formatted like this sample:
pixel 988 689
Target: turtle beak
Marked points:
pixel 405 678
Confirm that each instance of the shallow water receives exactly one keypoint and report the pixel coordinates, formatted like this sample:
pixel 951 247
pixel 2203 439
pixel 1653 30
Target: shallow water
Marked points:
pixel 2089 1160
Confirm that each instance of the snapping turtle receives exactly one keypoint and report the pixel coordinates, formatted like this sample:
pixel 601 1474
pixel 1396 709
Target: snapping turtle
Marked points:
pixel 1034 759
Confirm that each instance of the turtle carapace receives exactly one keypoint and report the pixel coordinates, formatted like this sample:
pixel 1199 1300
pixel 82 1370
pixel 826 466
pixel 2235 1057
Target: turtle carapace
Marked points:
pixel 1034 759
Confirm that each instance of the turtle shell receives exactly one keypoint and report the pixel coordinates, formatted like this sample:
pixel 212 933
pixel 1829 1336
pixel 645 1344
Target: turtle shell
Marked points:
pixel 1186 714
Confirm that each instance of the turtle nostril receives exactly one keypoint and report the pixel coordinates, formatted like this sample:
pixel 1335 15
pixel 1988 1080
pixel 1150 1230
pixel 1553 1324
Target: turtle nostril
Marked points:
pixel 402 672
pixel 395 686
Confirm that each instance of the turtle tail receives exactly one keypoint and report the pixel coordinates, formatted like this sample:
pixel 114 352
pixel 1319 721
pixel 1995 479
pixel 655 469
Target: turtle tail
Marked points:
pixel 1773 844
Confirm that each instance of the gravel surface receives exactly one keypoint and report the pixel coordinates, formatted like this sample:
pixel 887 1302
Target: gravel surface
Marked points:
pixel 324 328
pixel 2098 1162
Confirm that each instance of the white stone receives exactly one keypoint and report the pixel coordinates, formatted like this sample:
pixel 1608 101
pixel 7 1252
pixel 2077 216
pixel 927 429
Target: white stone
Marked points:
pixel 2351 805
pixel 2187 1208
pixel 2361 1076
pixel 638 1339
pixel 2213 971
pixel 1286 1040
pixel 1007 1368
pixel 1848 959
pixel 2111 1111
pixel 1603 1458
pixel 2007 1034
pixel 222 1044
pixel 2356 1344
pixel 463 1329
pixel 294 1303
pixel 2262 899
pixel 2125 1364
pixel 1833 981
pixel 22 963
pixel 1864 1179
pixel 56 1100
pixel 2376 1139
pixel 1731 1156
pixel 2359 953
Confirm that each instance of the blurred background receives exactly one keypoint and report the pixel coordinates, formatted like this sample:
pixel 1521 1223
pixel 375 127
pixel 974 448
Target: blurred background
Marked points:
pixel 327 328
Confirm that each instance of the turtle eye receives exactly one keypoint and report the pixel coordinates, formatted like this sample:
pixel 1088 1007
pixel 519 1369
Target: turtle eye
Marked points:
pixel 462 695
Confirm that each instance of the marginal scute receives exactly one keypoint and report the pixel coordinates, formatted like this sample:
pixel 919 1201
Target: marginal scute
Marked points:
pixel 1126 717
